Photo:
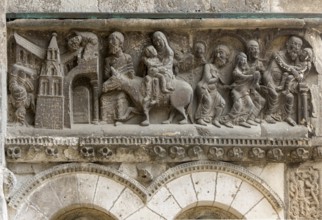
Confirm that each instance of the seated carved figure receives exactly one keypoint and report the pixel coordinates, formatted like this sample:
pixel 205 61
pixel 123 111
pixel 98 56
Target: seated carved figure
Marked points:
pixel 155 70
pixel 245 80
pixel 283 63
pixel 303 67
pixel 122 63
pixel 179 99
pixel 159 65
pixel 211 103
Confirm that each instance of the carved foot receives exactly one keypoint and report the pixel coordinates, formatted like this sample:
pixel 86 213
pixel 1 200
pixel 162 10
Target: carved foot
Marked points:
pixel 251 122
pixel 117 123
pixel 269 119
pixel 166 122
pixel 290 121
pixel 183 122
pixel 201 122
pixel 145 123
pixel 216 123
pixel 244 124
pixel 228 124
pixel 258 120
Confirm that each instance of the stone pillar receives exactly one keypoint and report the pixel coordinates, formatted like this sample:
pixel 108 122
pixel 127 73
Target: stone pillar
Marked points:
pixel 3 104
pixel 95 102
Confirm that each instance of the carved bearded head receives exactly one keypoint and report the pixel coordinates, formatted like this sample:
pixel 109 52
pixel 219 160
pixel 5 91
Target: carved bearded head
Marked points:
pixel 253 49
pixel 293 47
pixel 115 43
pixel 222 54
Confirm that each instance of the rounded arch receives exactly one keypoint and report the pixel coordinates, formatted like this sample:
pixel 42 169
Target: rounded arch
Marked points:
pixel 224 186
pixel 74 186
pixel 82 213
pixel 207 211
pixel 217 185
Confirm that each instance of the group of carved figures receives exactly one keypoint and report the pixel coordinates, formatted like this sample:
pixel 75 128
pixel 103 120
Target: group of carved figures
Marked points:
pixel 257 91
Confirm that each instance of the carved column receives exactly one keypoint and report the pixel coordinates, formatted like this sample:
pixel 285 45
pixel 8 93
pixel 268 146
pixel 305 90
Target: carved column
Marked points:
pixel 94 84
pixel 303 103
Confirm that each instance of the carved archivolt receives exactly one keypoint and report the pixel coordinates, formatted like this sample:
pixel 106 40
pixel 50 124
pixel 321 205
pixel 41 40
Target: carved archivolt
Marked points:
pixel 26 194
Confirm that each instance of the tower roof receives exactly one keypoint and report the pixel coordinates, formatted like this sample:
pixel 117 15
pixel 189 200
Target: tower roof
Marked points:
pixel 53 42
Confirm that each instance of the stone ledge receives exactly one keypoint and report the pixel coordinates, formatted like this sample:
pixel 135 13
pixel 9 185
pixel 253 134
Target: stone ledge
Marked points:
pixel 161 148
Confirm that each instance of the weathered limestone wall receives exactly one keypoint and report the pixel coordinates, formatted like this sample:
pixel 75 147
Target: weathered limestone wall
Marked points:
pixel 160 6
pixel 3 104
pixel 195 188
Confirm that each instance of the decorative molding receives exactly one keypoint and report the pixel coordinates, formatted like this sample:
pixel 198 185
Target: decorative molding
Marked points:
pixel 167 149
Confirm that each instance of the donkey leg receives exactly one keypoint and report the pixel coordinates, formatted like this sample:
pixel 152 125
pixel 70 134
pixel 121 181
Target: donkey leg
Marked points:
pixel 146 122
pixel 171 116
pixel 182 110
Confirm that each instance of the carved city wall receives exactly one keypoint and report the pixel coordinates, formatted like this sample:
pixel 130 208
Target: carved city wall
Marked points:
pixel 148 110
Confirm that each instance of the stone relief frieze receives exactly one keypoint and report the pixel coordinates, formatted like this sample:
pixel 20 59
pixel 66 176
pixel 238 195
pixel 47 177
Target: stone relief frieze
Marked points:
pixel 304 194
pixel 209 78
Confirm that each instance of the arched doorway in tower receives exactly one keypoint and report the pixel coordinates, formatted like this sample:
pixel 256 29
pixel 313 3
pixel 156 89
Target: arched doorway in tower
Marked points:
pixel 82 101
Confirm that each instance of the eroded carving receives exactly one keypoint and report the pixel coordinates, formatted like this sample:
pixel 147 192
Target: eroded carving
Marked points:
pixel 239 81
pixel 216 153
pixel 21 98
pixel 106 152
pixel 87 152
pixel 210 101
pixel 304 194
pixel 275 154
pixel 13 152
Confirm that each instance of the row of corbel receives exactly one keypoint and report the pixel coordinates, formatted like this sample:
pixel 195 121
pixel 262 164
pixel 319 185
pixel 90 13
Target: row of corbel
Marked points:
pixel 161 153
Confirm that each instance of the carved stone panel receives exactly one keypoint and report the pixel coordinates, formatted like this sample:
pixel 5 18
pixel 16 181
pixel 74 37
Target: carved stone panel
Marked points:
pixel 254 86
pixel 304 194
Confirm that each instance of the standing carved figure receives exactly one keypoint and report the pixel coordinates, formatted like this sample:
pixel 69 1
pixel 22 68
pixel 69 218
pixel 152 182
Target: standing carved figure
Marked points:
pixel 21 93
pixel 210 101
pixel 281 70
pixel 255 64
pixel 244 81
pixel 123 64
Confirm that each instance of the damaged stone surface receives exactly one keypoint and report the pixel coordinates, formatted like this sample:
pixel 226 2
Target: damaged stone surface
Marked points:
pixel 66 105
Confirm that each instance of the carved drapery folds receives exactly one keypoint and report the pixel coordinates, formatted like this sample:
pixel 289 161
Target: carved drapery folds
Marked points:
pixel 210 78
